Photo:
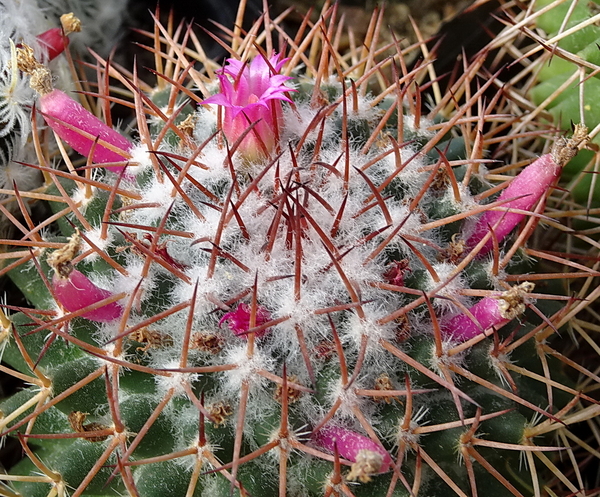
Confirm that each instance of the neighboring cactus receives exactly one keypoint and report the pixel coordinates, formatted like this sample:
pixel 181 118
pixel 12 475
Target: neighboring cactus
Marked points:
pixel 252 308
pixel 564 66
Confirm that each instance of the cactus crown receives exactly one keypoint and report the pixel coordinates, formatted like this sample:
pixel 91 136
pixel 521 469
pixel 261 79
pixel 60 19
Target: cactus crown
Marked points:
pixel 276 282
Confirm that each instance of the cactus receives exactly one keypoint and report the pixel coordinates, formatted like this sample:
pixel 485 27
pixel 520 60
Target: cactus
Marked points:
pixel 293 281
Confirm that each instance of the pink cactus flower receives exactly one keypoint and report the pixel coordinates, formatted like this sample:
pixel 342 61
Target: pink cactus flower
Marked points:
pixel 252 93
pixel 239 320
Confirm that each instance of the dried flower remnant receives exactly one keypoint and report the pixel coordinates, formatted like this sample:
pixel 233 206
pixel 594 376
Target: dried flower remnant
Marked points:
pixel 292 394
pixel 487 313
pixel 77 419
pixel 151 339
pixel 251 94
pixel 239 320
pixel 207 342
pixel 383 384
pixel 219 412
pixel 526 190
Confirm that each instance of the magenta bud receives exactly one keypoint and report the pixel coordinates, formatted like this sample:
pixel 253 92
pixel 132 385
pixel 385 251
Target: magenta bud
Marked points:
pixel 79 128
pixel 487 313
pixel 239 320
pixel 526 189
pixel 251 93
pixel 368 456
pixel 76 292
pixel 74 124
pixel 54 42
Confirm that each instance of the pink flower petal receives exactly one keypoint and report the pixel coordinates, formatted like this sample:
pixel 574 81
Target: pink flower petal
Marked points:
pixel 239 320
pixel 252 93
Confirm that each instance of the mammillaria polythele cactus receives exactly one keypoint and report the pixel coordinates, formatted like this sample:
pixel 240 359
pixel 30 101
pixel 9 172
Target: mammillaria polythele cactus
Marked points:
pixel 288 280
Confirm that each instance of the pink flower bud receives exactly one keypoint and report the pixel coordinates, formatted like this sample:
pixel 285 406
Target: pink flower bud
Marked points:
pixel 368 457
pixel 70 120
pixel 527 188
pixel 487 313
pixel 76 291
pixel 239 320
pixel 252 93
pixel 530 186
pixel 79 128
pixel 54 42
pixel 396 272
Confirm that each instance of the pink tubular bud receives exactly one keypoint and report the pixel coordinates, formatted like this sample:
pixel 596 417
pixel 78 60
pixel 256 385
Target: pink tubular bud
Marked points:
pixel 80 129
pixel 487 313
pixel 526 189
pixel 54 42
pixel 76 292
pixel 368 457
pixel 239 320
pixel 74 124
pixel 73 290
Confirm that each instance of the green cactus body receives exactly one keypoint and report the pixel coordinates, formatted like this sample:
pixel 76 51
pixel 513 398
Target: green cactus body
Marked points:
pixel 268 293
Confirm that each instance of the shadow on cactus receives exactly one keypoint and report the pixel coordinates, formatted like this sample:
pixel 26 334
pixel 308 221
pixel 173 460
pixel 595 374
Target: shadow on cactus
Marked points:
pixel 291 280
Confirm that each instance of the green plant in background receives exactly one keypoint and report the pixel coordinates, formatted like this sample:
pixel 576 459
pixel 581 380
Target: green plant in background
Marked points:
pixel 567 84
pixel 290 280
